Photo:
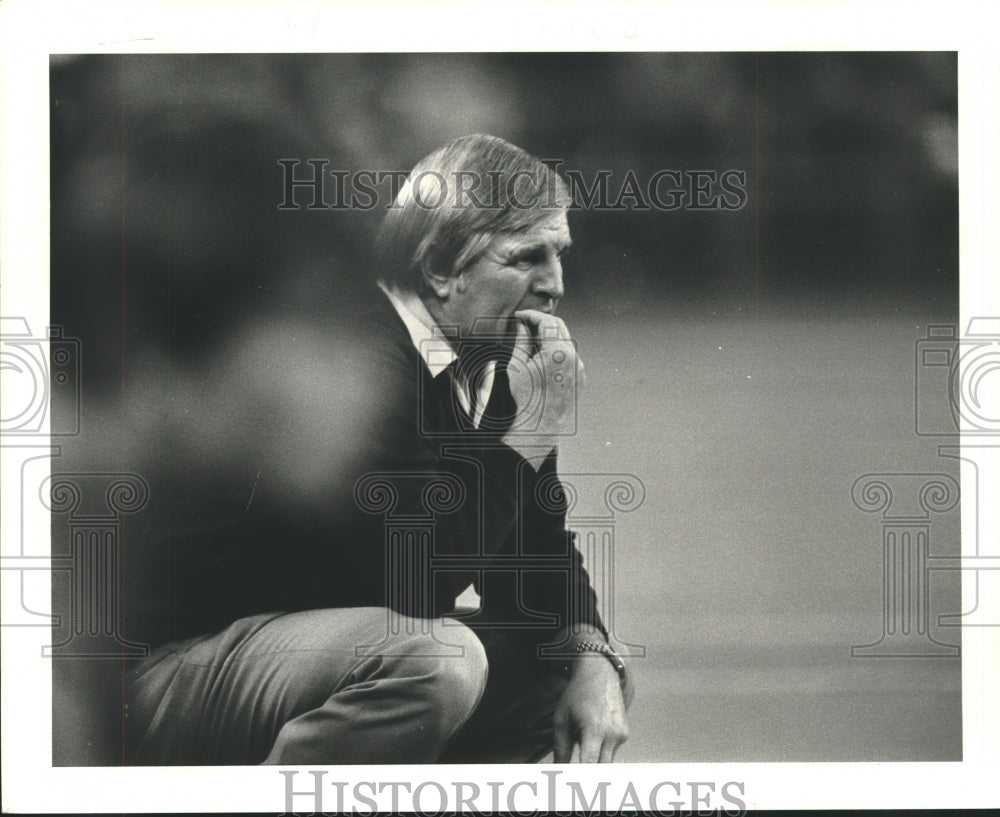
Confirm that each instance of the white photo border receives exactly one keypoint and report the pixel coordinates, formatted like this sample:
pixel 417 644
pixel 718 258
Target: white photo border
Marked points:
pixel 31 30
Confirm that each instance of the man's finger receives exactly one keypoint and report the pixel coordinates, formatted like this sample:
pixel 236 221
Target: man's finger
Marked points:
pixel 590 748
pixel 562 744
pixel 532 316
pixel 524 342
pixel 543 325
pixel 608 749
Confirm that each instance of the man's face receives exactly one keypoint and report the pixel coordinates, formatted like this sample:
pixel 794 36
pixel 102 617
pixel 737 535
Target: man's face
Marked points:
pixel 517 271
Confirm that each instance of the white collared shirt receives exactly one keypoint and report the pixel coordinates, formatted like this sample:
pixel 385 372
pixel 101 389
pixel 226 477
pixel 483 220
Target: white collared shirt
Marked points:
pixel 434 348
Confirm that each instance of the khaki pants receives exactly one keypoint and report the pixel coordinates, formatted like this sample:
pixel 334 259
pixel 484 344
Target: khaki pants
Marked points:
pixel 346 685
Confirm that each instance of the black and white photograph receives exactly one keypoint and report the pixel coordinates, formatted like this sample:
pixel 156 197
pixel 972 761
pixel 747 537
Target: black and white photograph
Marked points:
pixel 500 411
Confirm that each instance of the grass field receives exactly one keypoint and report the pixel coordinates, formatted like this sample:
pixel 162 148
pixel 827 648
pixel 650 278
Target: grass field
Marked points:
pixel 748 573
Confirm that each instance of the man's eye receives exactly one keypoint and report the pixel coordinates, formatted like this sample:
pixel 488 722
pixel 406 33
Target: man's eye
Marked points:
pixel 523 262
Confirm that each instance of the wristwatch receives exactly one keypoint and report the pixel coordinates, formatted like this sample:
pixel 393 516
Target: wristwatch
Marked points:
pixel 609 653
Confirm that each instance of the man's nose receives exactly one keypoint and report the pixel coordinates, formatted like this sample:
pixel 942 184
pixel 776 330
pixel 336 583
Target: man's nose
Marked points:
pixel 549 280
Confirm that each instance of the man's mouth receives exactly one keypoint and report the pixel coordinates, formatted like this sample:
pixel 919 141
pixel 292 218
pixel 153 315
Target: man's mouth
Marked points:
pixel 549 308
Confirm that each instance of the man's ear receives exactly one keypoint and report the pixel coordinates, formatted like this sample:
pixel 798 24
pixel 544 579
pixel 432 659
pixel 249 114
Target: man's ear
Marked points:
pixel 436 275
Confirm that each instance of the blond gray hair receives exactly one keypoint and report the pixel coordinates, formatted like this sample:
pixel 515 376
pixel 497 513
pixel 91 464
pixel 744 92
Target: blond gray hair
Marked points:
pixel 456 200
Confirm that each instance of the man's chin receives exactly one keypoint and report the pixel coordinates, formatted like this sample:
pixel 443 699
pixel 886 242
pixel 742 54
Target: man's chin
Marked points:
pixel 508 327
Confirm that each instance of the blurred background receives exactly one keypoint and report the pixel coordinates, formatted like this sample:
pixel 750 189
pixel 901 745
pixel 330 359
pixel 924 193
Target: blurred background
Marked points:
pixel 746 365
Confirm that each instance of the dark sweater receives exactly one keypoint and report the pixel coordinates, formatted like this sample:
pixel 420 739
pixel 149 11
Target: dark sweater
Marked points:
pixel 416 505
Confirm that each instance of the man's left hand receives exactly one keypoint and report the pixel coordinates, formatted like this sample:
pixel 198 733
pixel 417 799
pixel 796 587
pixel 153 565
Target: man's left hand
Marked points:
pixel 591 712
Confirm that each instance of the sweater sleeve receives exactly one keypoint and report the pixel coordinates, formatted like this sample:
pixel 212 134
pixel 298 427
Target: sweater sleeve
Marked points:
pixel 564 590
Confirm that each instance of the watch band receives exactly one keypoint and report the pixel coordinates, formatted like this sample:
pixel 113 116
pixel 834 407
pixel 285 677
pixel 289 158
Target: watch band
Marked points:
pixel 607 652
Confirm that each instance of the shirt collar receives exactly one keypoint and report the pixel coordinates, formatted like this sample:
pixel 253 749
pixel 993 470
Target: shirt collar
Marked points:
pixel 429 339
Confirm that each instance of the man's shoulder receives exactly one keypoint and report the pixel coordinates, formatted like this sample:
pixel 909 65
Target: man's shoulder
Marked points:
pixel 383 340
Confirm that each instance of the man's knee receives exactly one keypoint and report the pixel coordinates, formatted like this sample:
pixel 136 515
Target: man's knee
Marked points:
pixel 449 668
pixel 461 679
